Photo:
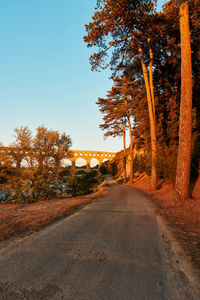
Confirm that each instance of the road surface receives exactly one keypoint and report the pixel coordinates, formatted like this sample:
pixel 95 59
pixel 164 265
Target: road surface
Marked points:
pixel 109 250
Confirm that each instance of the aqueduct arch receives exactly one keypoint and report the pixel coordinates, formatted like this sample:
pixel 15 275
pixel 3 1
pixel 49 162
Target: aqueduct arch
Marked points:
pixel 72 155
pixel 100 156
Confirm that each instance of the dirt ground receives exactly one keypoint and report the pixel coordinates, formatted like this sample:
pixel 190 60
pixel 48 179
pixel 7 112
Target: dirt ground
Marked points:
pixel 183 220
pixel 19 220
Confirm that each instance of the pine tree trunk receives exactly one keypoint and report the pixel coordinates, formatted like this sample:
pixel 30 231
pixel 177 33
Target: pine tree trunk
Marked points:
pixel 131 149
pixel 152 123
pixel 151 80
pixel 124 144
pixel 153 126
pixel 181 192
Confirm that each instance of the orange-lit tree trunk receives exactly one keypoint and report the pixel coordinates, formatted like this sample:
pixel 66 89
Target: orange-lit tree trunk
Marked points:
pixel 124 145
pixel 131 148
pixel 185 123
pixel 153 125
pixel 151 107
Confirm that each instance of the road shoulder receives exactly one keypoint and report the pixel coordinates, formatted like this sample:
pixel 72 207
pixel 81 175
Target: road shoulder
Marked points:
pixel 20 220
pixel 179 229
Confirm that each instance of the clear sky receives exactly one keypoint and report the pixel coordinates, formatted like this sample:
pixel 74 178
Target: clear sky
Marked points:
pixel 45 76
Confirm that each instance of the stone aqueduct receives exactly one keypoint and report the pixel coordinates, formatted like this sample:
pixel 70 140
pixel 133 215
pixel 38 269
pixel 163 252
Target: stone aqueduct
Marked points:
pixel 74 155
pixel 100 156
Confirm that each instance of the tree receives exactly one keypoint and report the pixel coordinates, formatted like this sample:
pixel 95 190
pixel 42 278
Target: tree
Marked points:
pixel 120 129
pixel 14 162
pixel 120 91
pixel 50 148
pixel 117 113
pixel 30 167
pixel 126 25
pixel 103 169
pixel 185 126
pixel 124 147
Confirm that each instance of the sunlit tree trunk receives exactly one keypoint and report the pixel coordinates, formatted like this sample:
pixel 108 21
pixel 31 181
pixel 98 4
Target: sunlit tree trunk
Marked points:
pixel 185 123
pixel 124 145
pixel 153 125
pixel 151 108
pixel 131 148
pixel 151 78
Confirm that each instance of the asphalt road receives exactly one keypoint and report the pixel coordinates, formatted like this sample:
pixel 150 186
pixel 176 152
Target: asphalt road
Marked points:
pixel 111 249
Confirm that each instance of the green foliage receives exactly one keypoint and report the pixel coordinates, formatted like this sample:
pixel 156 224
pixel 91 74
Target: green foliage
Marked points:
pixel 103 170
pixel 142 163
pixel 113 168
pixel 83 182
pixel 166 163
pixel 117 161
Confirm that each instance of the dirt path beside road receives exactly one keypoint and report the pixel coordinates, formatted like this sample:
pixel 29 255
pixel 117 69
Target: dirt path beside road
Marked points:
pixel 19 220
pixel 183 219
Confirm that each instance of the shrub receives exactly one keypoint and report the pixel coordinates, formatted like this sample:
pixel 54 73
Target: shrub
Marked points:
pixel 166 163
pixel 83 182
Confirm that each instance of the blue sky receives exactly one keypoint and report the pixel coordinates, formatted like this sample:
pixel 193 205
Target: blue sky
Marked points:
pixel 45 76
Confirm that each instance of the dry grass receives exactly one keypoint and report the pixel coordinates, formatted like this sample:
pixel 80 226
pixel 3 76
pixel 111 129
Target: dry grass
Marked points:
pixel 18 220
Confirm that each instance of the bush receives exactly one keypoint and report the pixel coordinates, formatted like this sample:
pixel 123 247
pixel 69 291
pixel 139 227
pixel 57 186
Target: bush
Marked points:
pixel 103 169
pixel 83 182
pixel 195 160
pixel 166 163
pixel 142 163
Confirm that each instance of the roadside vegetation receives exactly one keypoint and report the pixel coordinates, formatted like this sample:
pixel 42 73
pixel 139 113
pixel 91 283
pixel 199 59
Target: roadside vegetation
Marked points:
pixel 153 58
pixel 32 168
pixel 154 62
